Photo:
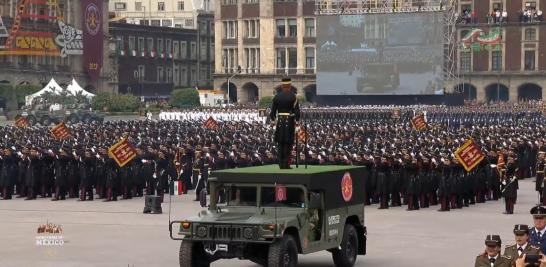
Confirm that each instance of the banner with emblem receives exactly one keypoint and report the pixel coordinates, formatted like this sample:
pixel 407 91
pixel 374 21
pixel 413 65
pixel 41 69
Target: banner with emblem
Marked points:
pixel 469 155
pixel 122 152
pixel 93 37
pixel 60 131
pixel 280 193
pixel 303 135
pixel 22 122
pixel 210 123
pixel 418 122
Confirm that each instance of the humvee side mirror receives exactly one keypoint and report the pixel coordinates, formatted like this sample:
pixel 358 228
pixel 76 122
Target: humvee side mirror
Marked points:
pixel 203 198
pixel 315 202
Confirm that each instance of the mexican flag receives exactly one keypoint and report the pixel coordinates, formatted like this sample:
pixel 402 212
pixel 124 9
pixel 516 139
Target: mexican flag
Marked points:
pixel 176 188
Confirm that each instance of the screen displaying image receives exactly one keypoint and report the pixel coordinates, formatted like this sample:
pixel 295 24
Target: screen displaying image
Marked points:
pixel 380 54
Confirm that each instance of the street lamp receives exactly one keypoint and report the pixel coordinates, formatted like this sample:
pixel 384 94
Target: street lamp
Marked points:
pixel 229 81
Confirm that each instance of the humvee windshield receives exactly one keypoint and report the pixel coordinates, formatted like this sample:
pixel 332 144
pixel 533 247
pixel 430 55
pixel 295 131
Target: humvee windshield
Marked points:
pixel 247 196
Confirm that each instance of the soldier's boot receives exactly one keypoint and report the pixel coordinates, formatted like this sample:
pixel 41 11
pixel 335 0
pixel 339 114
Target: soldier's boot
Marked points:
pixel 82 194
pixel 30 195
pixel 125 193
pixel 432 199
pixel 99 192
pixel 22 192
pixel 453 201
pixel 396 200
pixel 410 202
pixel 43 193
pixel 472 200
pixel 6 194
pixel 424 201
pixel 108 197
pixel 466 202
pixel 161 197
pixel 71 193
pixel 134 191
pixel 55 194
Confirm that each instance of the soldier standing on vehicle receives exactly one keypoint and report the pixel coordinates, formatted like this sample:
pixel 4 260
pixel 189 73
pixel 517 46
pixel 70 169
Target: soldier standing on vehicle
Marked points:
pixel 286 111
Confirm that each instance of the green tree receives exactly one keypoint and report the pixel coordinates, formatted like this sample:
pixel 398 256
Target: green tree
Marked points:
pixel 115 103
pixel 21 91
pixel 185 98
pixel 265 102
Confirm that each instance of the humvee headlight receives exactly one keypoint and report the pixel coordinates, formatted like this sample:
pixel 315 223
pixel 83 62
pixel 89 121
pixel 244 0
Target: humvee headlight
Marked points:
pixel 269 227
pixel 201 231
pixel 248 233
pixel 185 225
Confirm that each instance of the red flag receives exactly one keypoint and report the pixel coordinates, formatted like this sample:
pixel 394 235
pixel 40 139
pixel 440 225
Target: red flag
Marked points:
pixel 302 135
pixel 22 122
pixel 280 193
pixel 418 122
pixel 122 152
pixel 210 124
pixel 469 155
pixel 60 131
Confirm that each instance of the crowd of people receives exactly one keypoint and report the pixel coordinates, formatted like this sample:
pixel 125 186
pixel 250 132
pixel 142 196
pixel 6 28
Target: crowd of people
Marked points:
pixel 404 166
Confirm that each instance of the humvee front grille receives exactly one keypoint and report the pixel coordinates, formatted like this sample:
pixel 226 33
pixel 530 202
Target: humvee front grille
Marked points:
pixel 225 232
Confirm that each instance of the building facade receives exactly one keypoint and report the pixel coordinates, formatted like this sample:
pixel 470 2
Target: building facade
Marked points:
pixel 501 50
pixel 259 42
pixel 165 13
pixel 152 60
pixel 40 40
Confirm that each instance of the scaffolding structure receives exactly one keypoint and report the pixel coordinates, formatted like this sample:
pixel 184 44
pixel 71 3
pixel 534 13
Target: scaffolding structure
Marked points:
pixel 448 7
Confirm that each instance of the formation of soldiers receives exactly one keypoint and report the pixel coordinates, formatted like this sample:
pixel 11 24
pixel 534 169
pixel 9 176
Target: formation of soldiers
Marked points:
pixel 405 166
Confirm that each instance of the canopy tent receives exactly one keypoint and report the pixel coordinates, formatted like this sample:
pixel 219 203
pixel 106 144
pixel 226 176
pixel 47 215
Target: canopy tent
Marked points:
pixel 52 87
pixel 74 88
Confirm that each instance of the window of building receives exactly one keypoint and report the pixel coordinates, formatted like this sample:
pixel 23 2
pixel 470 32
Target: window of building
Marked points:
pixel 252 56
pixel 310 28
pixel 189 23
pixel 193 77
pixel 160 6
pixel 230 29
pixel 497 7
pixel 203 51
pixel 293 28
pixel 180 5
pixel 183 50
pixel 176 75
pixel 144 22
pixel 309 58
pixel 229 60
pixel 530 63
pixel 229 2
pixel 141 73
pixel 169 75
pixel 530 34
pixel 176 50
pixel 155 22
pixel 131 43
pixel 120 6
pixel 160 46
pixel 141 44
pixel 167 23
pixel 496 60
pixel 159 74
pixel 252 28
pixel 138 6
pixel 120 46
pixel 292 58
pixel 281 58
pixel 183 76
pixel 193 50
pixel 150 44
pixel 466 61
pixel 281 28
pixel 168 46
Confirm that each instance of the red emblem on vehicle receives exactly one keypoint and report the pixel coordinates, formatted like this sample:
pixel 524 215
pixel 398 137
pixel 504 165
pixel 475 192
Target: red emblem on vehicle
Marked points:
pixel 347 187
pixel 280 193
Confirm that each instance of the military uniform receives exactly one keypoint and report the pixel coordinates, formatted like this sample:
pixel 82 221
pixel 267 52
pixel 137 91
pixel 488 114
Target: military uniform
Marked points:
pixel 516 251
pixel 286 111
pixel 538 237
pixel 484 260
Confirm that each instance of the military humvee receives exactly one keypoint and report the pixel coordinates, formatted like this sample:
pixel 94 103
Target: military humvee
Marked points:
pixel 269 216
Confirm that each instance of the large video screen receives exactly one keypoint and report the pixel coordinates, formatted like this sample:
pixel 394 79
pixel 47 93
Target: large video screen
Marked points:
pixel 380 54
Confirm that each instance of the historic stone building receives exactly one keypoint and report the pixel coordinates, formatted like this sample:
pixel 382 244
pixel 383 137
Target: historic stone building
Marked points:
pixel 43 39
pixel 259 42
pixel 501 49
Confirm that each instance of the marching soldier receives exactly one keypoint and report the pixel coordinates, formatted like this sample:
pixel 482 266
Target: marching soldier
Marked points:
pixel 510 186
pixel 522 246
pixel 492 256
pixel 539 182
pixel 286 111
pixel 8 174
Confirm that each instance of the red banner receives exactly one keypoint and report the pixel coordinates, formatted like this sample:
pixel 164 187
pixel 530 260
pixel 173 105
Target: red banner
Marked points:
pixel 280 193
pixel 22 122
pixel 210 124
pixel 469 155
pixel 60 131
pixel 303 135
pixel 418 122
pixel 93 38
pixel 122 152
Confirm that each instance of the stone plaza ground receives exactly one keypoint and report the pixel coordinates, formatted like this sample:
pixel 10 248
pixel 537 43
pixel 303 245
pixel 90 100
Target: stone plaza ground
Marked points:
pixel 117 234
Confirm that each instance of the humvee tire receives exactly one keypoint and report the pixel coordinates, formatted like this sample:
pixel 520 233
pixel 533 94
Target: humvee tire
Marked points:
pixel 87 119
pixel 283 253
pixel 192 254
pixel 346 256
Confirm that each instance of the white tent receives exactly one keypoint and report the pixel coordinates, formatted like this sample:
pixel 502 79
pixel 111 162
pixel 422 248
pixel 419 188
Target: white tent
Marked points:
pixel 74 88
pixel 52 87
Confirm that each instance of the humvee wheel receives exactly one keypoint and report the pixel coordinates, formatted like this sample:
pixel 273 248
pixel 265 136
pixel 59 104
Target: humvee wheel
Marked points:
pixel 283 253
pixel 46 121
pixel 345 256
pixel 192 255
pixel 87 119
